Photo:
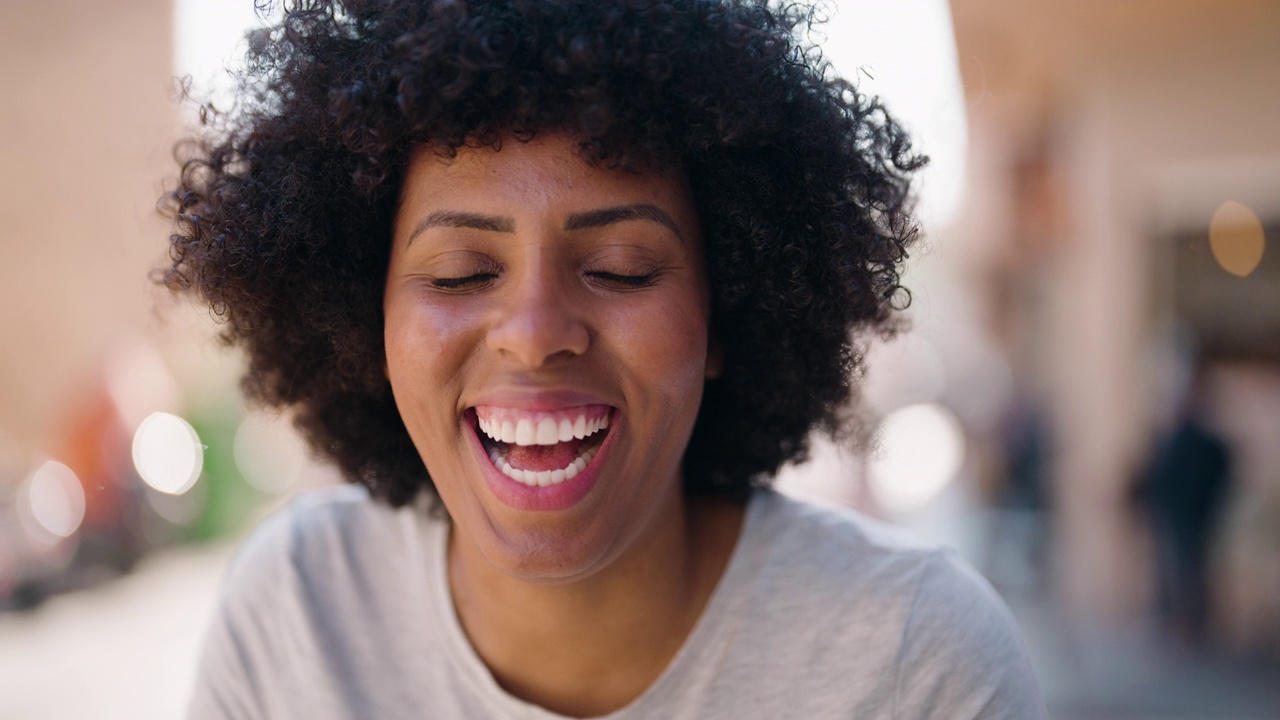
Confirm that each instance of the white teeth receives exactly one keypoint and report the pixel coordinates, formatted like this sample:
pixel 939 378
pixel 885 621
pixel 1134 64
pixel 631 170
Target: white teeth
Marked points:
pixel 525 434
pixel 545 432
pixel 548 433
pixel 497 431
pixel 542 478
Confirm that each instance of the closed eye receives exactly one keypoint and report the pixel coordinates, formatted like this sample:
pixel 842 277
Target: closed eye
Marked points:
pixel 466 282
pixel 623 281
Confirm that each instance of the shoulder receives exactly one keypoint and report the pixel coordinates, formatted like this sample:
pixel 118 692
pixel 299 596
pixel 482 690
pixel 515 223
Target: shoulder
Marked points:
pixel 301 585
pixel 921 623
pixel 834 549
pixel 325 552
pixel 859 575
pixel 306 553
pixel 315 515
pixel 825 541
pixel 961 653
pixel 321 531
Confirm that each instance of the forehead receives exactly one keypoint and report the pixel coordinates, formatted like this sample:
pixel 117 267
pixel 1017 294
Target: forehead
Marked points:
pixel 544 152
pixel 548 172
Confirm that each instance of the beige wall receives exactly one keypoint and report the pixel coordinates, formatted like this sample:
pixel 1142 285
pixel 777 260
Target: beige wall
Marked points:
pixel 87 118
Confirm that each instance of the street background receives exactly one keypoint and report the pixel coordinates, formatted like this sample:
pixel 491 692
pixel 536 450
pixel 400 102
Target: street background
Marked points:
pixel 1086 405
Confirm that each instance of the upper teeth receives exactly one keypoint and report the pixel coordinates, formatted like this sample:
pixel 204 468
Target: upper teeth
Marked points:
pixel 545 431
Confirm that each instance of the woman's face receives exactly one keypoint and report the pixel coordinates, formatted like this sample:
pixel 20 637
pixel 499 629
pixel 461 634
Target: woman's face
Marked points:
pixel 547 344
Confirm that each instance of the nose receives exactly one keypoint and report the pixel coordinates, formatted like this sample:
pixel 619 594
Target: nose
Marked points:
pixel 538 322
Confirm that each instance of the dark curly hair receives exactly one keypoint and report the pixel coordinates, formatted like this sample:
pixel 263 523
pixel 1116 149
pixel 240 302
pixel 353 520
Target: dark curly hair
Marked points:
pixel 284 205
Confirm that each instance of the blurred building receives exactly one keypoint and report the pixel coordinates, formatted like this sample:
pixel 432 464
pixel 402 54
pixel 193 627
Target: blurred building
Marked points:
pixel 87 120
pixel 1122 228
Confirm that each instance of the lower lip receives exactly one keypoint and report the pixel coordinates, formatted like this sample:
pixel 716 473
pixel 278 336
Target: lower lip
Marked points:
pixel 560 496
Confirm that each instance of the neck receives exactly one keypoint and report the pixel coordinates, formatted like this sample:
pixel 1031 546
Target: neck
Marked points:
pixel 593 645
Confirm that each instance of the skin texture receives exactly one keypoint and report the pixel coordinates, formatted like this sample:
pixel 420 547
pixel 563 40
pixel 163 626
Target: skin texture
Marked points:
pixel 526 313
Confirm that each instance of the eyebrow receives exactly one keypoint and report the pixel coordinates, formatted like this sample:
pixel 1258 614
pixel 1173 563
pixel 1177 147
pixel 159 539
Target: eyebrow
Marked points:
pixel 456 219
pixel 622 213
pixel 576 221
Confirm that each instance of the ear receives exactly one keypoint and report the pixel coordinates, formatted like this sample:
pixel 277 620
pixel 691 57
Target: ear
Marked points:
pixel 715 356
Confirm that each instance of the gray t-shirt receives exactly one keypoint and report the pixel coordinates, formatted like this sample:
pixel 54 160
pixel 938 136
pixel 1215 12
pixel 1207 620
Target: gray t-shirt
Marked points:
pixel 338 607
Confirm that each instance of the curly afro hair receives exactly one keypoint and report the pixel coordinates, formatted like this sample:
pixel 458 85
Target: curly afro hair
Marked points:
pixel 284 204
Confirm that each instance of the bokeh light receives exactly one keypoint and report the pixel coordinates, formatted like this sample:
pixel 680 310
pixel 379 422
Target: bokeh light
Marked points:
pixel 167 453
pixel 52 502
pixel 920 451
pixel 1236 238
pixel 905 371
pixel 268 453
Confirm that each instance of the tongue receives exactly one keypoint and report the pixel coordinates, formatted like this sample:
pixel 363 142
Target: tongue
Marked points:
pixel 544 457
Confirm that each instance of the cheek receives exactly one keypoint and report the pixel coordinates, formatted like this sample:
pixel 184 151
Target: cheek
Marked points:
pixel 667 345
pixel 426 345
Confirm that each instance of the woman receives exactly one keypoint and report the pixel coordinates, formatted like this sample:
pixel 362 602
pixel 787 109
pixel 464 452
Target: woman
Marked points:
pixel 561 284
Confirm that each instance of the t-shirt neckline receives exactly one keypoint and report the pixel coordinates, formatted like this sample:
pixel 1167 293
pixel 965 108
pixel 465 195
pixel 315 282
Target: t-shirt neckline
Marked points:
pixel 707 627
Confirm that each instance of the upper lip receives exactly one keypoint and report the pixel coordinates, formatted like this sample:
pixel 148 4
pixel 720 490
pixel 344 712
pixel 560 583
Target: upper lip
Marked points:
pixel 537 399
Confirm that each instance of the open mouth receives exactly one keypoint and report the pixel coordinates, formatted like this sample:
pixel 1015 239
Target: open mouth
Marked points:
pixel 540 449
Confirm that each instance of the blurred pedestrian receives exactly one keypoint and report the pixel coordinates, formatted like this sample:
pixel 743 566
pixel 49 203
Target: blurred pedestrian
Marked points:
pixel 1186 491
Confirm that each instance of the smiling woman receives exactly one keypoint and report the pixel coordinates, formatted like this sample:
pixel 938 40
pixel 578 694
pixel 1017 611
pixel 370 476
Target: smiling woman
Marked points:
pixel 560 285
pixel 534 291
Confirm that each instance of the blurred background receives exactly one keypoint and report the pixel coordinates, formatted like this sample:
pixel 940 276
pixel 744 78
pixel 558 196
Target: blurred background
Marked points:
pixel 1087 404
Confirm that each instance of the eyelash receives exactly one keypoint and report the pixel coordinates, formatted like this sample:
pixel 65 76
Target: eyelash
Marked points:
pixel 463 283
pixel 627 281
